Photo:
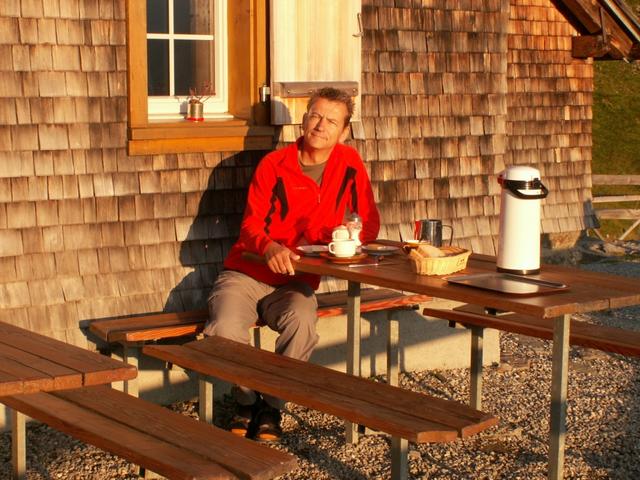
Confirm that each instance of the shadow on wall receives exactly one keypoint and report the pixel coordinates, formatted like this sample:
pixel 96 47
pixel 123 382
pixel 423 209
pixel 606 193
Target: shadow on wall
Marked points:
pixel 213 231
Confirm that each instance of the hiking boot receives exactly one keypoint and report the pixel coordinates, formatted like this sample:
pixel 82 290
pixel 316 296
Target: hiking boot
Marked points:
pixel 241 419
pixel 267 424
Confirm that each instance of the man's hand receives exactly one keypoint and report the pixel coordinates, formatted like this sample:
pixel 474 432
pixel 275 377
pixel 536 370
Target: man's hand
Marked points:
pixel 279 259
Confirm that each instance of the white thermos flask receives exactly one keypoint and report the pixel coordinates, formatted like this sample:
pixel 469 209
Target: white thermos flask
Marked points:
pixel 519 235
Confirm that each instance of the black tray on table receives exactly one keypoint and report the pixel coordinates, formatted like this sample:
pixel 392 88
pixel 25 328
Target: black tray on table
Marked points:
pixel 508 283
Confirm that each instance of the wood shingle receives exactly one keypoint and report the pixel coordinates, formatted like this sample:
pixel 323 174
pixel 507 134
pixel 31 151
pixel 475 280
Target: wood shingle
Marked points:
pixel 451 93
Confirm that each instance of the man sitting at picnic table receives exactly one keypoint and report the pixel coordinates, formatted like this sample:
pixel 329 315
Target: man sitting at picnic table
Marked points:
pixel 298 194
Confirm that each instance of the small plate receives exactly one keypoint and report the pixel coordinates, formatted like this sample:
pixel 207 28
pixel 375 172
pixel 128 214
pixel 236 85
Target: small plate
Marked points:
pixel 380 249
pixel 353 259
pixel 312 250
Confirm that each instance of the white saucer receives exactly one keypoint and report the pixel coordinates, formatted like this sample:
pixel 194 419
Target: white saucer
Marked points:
pixel 379 249
pixel 312 250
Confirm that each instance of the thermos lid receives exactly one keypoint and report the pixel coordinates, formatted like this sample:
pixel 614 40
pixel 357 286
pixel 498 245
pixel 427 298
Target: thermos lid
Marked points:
pixel 523 182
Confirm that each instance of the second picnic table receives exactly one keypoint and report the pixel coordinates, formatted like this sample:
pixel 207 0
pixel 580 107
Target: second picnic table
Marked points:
pixel 31 363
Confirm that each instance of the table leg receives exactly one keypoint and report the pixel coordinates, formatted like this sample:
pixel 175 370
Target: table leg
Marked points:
pixel 393 353
pixel 399 458
pixel 399 446
pixel 559 376
pixel 131 356
pixel 18 445
pixel 353 347
pixel 205 399
pixel 477 335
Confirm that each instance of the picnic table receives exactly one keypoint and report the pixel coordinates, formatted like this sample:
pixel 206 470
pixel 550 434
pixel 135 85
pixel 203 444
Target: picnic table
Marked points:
pixel 30 362
pixel 62 385
pixel 587 292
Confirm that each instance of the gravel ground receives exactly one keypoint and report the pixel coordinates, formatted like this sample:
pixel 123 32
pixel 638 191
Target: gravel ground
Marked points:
pixel 603 439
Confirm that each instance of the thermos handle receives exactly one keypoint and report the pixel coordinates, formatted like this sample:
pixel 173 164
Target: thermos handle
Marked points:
pixel 514 186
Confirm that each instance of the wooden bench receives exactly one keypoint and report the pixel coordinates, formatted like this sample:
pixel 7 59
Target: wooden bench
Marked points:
pixel 584 334
pixel 131 333
pixel 404 414
pixel 153 437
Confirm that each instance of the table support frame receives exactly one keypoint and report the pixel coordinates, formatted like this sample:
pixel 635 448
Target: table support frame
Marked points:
pixel 131 356
pixel 399 446
pixel 353 347
pixel 477 359
pixel 559 379
pixel 18 445
pixel 206 402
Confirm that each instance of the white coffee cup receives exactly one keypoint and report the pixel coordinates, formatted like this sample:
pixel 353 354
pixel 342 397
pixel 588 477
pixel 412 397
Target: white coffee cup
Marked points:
pixel 343 248
pixel 341 232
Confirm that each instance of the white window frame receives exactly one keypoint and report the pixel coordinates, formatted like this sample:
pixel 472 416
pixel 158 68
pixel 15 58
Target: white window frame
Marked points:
pixel 175 106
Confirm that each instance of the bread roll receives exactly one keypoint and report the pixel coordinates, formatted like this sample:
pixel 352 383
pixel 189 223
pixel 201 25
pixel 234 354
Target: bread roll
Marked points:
pixel 415 255
pixel 429 251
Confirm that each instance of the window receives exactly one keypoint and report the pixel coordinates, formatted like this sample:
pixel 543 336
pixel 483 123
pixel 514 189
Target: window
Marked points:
pixel 191 43
pixel 186 52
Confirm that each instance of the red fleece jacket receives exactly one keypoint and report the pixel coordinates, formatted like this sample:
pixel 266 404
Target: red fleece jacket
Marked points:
pixel 288 207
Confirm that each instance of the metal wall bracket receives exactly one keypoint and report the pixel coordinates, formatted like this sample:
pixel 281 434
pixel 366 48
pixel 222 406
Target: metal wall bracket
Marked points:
pixel 305 89
pixel 264 91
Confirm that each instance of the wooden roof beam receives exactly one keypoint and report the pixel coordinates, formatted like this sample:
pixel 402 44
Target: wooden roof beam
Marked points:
pixel 589 46
pixel 597 20
pixel 595 46
pixel 585 13
pixel 628 20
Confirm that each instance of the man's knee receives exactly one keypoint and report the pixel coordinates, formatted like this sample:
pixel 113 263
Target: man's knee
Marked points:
pixel 231 329
pixel 226 320
pixel 302 320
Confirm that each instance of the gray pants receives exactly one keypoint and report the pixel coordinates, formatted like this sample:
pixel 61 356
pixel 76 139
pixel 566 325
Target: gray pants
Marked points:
pixel 237 301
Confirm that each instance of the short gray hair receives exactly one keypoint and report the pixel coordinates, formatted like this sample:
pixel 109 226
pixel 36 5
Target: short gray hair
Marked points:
pixel 334 95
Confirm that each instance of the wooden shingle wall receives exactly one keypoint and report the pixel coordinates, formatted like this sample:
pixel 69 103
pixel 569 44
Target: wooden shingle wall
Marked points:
pixel 549 112
pixel 451 93
pixel 434 113
pixel 86 231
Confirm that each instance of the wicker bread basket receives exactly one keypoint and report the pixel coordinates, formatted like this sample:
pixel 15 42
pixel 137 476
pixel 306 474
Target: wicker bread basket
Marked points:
pixel 455 259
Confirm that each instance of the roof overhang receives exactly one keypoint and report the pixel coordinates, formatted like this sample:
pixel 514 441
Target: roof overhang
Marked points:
pixel 608 29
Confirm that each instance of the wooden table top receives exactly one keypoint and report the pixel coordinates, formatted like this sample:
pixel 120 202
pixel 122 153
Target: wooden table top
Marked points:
pixel 30 362
pixel 588 291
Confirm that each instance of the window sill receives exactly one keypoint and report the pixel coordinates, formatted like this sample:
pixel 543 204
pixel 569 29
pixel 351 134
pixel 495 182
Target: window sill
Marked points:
pixel 182 136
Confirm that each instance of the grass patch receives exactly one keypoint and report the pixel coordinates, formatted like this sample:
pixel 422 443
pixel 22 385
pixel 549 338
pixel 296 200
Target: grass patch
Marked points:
pixel 616 130
pixel 616 115
pixel 616 118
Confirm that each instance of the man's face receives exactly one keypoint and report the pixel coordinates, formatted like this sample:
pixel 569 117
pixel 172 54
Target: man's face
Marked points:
pixel 323 124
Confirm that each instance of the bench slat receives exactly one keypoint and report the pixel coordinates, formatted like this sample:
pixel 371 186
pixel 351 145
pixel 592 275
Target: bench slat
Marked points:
pixel 151 334
pixel 178 324
pixel 103 329
pixel 348 408
pixel 583 334
pixel 386 396
pixel 95 429
pixel 402 413
pixel 244 458
pixel 369 304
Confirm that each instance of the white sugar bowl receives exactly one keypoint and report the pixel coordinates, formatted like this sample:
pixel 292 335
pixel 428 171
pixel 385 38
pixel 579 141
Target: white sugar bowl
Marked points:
pixel 341 232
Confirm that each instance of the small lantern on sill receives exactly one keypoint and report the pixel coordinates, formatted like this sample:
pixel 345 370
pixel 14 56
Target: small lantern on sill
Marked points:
pixel 197 97
pixel 195 109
